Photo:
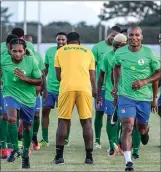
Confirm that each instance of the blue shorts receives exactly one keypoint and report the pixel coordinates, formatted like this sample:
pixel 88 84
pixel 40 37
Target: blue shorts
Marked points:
pixel 51 100
pixel 109 107
pixel 2 109
pixel 137 109
pixel 159 101
pixel 37 105
pixel 26 113
pixel 101 108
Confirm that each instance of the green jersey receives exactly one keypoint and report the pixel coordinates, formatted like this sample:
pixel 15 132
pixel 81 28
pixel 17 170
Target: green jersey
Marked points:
pixel 136 66
pixel 52 82
pixel 23 92
pixel 98 51
pixel 107 67
pixel 39 60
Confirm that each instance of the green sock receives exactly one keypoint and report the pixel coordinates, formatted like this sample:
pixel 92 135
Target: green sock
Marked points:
pixel 13 132
pixel 136 140
pixel 98 125
pixel 9 143
pixel 36 127
pixel 4 130
pixel 109 130
pixel 67 136
pixel 27 138
pixel 119 132
pixel 45 134
pixel 114 132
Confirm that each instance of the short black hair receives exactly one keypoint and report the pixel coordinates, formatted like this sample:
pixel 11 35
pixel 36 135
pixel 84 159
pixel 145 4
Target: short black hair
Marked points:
pixel 134 27
pixel 115 28
pixel 61 33
pixel 124 31
pixel 18 31
pixel 73 36
pixel 10 37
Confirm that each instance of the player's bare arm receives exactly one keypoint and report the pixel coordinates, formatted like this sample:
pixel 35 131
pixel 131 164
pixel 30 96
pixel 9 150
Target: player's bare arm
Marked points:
pixel 58 73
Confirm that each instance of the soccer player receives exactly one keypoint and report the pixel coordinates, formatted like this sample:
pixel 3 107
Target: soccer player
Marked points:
pixel 98 51
pixel 136 68
pixel 106 73
pixel 21 74
pixel 36 123
pixel 4 136
pixel 52 86
pixel 75 69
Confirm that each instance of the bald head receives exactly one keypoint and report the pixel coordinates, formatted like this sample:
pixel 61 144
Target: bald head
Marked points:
pixel 132 28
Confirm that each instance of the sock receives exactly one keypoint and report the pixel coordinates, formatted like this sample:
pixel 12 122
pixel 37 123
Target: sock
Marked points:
pixel 109 130
pixel 12 129
pixel 9 142
pixel 27 138
pixel 36 127
pixel 119 132
pixel 98 125
pixel 59 151
pixel 89 153
pixel 136 140
pixel 114 132
pixel 45 134
pixel 67 136
pixel 127 156
pixel 4 131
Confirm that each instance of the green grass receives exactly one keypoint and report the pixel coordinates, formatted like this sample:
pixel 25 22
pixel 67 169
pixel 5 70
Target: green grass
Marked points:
pixel 74 155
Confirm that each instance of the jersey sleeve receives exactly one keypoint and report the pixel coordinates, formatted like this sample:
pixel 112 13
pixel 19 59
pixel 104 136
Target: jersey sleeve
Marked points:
pixel 56 62
pixel 116 59
pixel 104 65
pixel 36 72
pixel 95 53
pixel 92 63
pixel 155 61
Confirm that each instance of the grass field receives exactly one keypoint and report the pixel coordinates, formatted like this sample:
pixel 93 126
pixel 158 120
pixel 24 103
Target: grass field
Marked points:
pixel 74 155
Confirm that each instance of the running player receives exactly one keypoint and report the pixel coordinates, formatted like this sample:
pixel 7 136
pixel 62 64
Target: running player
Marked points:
pixel 4 136
pixel 140 67
pixel 21 74
pixel 75 69
pixel 106 73
pixel 36 123
pixel 52 86
pixel 98 51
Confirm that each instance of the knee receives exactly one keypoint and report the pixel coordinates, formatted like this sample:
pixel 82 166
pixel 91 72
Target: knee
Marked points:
pixel 143 130
pixel 4 117
pixel 109 117
pixel 45 111
pixel 12 120
pixel 26 127
pixel 36 116
pixel 128 128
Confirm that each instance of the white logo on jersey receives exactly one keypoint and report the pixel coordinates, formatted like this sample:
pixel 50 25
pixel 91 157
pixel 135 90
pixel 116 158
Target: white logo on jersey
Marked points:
pixel 141 62
pixel 123 111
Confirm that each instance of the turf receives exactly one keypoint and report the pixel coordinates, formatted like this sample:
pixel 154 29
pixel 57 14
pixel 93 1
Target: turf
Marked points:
pixel 74 154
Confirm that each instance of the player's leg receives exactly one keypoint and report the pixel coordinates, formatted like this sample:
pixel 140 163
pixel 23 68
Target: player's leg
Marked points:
pixel 36 124
pixel 27 116
pixel 111 129
pixel 143 115
pixel 98 122
pixel 159 105
pixel 136 139
pixel 46 109
pixel 84 106
pixel 127 114
pixel 11 106
pixel 66 102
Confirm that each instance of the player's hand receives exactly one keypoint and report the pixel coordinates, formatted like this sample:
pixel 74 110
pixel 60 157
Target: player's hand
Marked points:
pixel 94 92
pixel 138 84
pixel 45 95
pixel 114 91
pixel 99 101
pixel 38 89
pixel 154 106
pixel 20 74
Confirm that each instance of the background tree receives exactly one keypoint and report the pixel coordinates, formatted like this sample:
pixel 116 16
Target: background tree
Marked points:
pixel 143 11
pixel 4 15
